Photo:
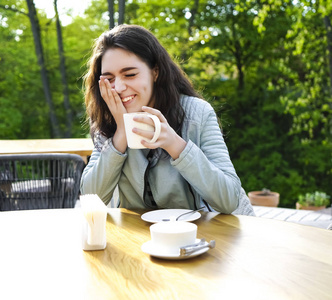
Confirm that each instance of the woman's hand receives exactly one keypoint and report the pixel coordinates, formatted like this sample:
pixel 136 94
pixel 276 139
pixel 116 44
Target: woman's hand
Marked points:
pixel 117 109
pixel 112 99
pixel 168 140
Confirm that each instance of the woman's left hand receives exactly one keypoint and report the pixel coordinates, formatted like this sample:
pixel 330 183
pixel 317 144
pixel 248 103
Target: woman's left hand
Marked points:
pixel 168 139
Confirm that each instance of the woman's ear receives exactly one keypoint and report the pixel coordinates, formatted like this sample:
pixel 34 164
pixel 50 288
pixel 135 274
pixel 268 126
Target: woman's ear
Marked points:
pixel 155 73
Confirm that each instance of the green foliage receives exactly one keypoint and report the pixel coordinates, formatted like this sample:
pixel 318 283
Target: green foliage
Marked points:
pixel 314 199
pixel 11 119
pixel 22 104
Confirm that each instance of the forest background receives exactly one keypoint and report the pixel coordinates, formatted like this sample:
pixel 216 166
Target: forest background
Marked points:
pixel 265 66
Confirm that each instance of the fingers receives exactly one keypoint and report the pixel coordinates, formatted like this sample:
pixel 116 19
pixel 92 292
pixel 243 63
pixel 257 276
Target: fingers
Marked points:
pixel 168 139
pixel 109 95
pixel 144 133
pixel 149 134
pixel 164 127
pixel 141 118
pixel 155 112
pixel 103 90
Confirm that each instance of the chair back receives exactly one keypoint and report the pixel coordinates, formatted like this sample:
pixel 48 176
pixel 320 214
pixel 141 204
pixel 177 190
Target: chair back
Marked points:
pixel 39 181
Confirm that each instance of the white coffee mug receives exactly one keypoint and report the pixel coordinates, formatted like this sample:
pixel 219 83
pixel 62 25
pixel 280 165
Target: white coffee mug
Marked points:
pixel 133 139
pixel 170 236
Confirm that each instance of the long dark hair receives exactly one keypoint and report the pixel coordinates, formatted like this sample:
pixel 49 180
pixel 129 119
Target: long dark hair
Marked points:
pixel 170 84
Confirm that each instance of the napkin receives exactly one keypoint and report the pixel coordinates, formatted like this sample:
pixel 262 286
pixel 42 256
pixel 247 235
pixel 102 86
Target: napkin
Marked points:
pixel 95 214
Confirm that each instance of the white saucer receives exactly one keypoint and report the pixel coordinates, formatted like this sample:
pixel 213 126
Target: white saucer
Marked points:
pixel 155 216
pixel 149 248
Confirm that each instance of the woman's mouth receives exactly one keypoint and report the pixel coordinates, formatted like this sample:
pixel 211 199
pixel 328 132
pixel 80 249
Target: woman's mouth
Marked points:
pixel 126 99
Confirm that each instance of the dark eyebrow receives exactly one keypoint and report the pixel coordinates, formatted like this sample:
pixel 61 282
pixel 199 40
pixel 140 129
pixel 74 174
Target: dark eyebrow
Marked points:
pixel 121 71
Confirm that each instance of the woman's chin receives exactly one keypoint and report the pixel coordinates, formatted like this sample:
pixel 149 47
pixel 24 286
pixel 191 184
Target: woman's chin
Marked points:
pixel 133 108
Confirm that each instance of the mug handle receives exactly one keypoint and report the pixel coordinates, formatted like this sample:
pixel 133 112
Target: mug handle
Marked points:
pixel 157 128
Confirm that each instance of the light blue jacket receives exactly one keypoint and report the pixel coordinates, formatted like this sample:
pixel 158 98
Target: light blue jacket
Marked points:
pixel 202 174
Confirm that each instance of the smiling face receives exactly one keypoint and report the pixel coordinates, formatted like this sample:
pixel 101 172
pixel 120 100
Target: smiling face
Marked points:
pixel 131 78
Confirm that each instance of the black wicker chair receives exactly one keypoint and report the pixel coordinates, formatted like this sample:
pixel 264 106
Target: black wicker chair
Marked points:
pixel 39 181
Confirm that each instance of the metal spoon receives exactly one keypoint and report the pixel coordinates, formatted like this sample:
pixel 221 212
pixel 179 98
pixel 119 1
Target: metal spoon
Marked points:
pixel 189 250
pixel 199 243
pixel 188 212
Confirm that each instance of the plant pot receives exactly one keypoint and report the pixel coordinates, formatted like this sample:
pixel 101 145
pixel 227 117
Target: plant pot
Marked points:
pixel 310 207
pixel 262 199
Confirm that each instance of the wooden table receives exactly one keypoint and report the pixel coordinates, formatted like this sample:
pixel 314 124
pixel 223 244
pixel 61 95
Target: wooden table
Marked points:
pixel 82 147
pixel 255 258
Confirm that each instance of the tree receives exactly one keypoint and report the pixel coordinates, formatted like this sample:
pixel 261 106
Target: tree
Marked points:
pixel 69 117
pixel 34 22
pixel 303 83
pixel 122 5
pixel 111 13
pixel 43 72
pixel 121 12
pixel 327 22
pixel 306 66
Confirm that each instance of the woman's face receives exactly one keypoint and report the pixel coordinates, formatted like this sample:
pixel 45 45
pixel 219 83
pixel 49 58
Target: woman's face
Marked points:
pixel 131 78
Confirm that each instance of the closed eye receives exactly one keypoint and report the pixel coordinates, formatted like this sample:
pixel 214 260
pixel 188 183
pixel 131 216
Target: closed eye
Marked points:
pixel 131 75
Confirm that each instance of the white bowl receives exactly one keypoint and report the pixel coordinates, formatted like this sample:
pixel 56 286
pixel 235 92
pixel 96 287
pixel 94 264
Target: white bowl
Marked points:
pixel 170 236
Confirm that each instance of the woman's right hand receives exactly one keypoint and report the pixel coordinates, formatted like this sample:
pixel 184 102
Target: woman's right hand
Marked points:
pixel 112 99
pixel 117 109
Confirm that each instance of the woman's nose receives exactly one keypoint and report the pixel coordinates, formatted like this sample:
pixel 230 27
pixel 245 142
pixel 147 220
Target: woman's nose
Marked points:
pixel 118 85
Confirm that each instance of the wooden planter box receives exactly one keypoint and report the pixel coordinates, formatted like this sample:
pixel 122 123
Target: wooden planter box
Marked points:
pixel 258 198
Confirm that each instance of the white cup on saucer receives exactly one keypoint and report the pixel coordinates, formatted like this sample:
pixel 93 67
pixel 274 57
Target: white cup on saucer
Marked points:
pixel 169 237
pixel 133 139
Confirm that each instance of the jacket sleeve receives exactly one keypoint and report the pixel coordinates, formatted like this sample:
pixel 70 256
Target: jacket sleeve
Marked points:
pixel 102 173
pixel 207 165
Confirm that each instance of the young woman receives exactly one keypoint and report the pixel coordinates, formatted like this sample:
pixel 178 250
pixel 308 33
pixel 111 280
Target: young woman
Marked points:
pixel 188 166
